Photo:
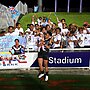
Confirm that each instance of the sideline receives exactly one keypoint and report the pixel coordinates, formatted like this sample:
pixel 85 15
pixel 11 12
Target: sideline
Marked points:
pixel 61 71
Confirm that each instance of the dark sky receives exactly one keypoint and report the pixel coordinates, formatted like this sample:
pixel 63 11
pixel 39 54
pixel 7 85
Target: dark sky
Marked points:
pixel 62 4
pixel 14 2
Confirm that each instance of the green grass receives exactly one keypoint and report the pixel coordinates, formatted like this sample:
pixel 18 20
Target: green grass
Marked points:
pixel 71 17
pixel 56 82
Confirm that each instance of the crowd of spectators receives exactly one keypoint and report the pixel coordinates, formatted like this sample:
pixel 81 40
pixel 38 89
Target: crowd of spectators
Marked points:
pixel 61 34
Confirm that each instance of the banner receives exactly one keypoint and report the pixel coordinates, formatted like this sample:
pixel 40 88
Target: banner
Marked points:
pixel 6 42
pixel 15 13
pixel 9 61
pixel 67 59
pixel 22 61
pixel 28 59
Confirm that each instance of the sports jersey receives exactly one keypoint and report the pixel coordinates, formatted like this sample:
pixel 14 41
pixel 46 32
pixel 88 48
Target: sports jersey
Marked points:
pixel 18 50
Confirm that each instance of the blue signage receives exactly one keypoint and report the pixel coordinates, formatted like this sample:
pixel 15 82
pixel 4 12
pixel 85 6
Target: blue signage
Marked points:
pixel 67 59
pixel 6 42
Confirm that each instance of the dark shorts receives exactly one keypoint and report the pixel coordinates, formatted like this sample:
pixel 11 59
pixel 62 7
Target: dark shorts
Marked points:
pixel 43 55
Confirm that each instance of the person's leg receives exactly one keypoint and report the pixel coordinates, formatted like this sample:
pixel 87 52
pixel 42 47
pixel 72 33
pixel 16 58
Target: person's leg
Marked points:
pixel 40 63
pixel 46 65
pixel 46 70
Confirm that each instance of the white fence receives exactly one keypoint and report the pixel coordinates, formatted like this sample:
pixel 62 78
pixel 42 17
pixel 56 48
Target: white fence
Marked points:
pixel 5 17
pixel 22 8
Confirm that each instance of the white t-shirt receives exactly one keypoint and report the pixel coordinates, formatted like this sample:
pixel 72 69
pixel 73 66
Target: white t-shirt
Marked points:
pixel 88 30
pixel 60 25
pixel 17 31
pixel 56 38
pixel 28 30
pixel 71 44
pixel 39 21
pixel 85 31
pixel 64 31
pixel 11 34
pixel 50 24
pixel 32 42
pixel 82 39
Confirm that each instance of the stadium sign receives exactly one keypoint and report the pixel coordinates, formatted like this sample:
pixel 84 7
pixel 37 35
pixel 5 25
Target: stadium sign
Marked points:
pixel 69 59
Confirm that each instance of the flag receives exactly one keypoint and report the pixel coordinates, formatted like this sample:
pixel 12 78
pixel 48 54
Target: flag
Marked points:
pixel 14 12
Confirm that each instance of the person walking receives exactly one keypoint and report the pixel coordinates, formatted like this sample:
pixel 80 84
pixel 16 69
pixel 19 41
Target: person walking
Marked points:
pixel 43 49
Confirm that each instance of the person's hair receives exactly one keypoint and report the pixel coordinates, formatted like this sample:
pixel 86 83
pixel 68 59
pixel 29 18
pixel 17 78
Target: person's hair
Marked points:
pixel 48 32
pixel 16 40
pixel 63 19
pixel 55 23
pixel 47 25
pixel 79 28
pixel 17 24
pixel 85 25
pixel 40 17
pixel 10 27
pixel 31 25
pixel 58 29
pixel 28 25
pixel 36 25
pixel 42 28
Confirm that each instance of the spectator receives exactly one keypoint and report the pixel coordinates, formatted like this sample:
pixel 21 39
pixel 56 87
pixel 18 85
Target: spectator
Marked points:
pixel 50 23
pixel 53 26
pixel 88 28
pixel 43 30
pixel 33 20
pixel 72 41
pixel 3 32
pixel 57 38
pixel 48 28
pixel 10 31
pixel 39 20
pixel 73 28
pixel 85 30
pixel 37 26
pixel 63 21
pixel 44 23
pixel 30 29
pixel 80 37
pixel 18 29
pixel 60 24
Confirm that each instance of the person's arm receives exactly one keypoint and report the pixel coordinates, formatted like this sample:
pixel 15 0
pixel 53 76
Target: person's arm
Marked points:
pixel 12 51
pixel 36 16
pixel 14 24
pixel 47 46
pixel 49 14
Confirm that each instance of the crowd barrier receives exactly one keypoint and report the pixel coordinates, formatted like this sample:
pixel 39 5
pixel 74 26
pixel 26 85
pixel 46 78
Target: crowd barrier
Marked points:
pixel 65 57
pixel 68 58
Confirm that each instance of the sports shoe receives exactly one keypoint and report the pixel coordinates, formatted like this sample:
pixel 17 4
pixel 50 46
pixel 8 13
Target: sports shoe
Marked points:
pixel 46 78
pixel 40 75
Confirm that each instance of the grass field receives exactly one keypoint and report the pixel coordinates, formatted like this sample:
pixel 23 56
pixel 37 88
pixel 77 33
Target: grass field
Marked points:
pixel 71 17
pixel 56 82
